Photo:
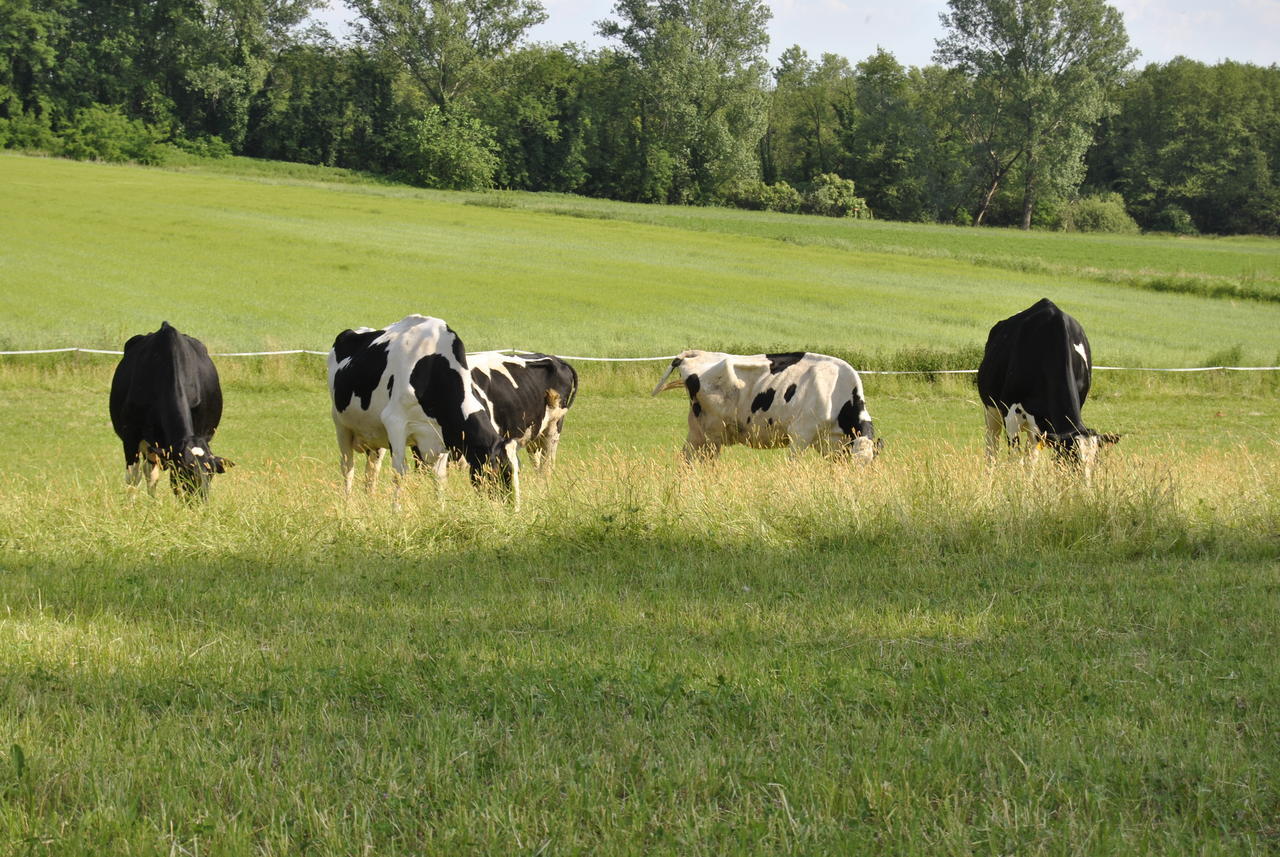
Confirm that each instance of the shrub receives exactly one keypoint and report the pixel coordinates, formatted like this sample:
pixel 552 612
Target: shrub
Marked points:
pixel 832 196
pixel 449 152
pixel 27 131
pixel 1175 219
pixel 104 133
pixel 204 147
pixel 758 196
pixel 1098 213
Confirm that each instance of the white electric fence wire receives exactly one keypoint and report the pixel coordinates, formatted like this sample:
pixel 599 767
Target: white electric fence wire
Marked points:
pixel 673 356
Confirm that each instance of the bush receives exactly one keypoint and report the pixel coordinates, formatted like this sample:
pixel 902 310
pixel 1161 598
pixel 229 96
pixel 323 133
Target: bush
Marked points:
pixel 103 133
pixel 26 131
pixel 1098 213
pixel 1175 219
pixel 758 196
pixel 832 196
pixel 449 152
pixel 204 147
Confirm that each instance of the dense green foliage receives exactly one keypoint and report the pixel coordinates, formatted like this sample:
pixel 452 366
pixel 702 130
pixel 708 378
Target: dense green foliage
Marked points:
pixel 678 108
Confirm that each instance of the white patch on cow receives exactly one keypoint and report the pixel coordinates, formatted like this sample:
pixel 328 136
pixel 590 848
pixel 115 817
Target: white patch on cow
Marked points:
pixel 197 451
pixel 1016 421
pixel 1079 347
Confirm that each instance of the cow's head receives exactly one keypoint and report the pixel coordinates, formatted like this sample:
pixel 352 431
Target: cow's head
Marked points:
pixel 192 465
pixel 1080 447
pixel 493 464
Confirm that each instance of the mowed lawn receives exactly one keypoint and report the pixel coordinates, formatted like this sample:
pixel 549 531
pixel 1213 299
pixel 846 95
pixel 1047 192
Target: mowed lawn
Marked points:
pixel 928 655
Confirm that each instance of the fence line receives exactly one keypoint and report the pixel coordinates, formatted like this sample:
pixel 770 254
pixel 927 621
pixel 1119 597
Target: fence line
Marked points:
pixel 671 357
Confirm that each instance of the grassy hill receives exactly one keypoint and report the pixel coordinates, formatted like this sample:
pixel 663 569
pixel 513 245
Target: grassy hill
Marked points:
pixel 94 253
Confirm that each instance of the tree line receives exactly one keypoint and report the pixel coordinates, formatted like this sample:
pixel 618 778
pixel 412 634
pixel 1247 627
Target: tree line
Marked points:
pixel 1030 115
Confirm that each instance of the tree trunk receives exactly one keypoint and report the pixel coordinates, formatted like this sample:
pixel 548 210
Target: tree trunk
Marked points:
pixel 986 201
pixel 1029 194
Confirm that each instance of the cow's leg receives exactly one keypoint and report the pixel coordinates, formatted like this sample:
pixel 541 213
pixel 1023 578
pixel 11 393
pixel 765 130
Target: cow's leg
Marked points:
pixel 154 469
pixel 398 439
pixel 1086 449
pixel 133 458
pixel 550 442
pixel 995 426
pixel 372 466
pixel 440 470
pixel 697 446
pixel 1013 425
pixel 347 458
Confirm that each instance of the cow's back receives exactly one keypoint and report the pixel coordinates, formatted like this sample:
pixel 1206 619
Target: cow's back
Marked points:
pixel 163 377
pixel 1039 359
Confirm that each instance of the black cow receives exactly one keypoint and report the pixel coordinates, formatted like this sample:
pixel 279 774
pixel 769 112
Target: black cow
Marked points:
pixel 1034 377
pixel 529 394
pixel 166 403
pixel 408 387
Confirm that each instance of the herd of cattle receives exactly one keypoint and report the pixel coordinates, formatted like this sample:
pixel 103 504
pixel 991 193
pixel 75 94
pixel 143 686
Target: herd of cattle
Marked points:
pixel 412 388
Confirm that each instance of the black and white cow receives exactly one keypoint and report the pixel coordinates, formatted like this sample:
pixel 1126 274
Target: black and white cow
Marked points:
pixel 166 403
pixel 1034 378
pixel 408 388
pixel 772 400
pixel 529 395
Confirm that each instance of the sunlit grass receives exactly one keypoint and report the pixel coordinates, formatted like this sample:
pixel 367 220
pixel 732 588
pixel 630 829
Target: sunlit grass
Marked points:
pixel 761 654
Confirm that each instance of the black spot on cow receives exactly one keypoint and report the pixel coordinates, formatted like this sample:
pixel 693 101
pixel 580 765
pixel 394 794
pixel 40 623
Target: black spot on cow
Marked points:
pixel 763 401
pixel 697 409
pixel 391 382
pixel 459 350
pixel 848 417
pixel 366 363
pixel 791 391
pixel 693 385
pixel 779 362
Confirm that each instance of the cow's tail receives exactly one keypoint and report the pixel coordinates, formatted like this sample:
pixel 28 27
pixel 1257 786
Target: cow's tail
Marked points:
pixel 663 385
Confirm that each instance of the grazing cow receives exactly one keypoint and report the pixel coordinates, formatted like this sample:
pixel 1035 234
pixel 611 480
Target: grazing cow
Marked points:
pixel 771 400
pixel 529 395
pixel 165 406
pixel 1035 377
pixel 409 387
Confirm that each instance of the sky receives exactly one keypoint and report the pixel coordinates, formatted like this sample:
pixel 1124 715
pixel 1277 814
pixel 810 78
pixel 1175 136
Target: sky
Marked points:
pixel 1242 30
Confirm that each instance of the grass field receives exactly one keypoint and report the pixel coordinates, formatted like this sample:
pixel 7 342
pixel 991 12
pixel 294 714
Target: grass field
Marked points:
pixel 925 656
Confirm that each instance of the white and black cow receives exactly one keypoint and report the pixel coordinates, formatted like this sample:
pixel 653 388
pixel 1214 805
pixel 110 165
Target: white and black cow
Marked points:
pixel 166 403
pixel 529 395
pixel 408 387
pixel 771 400
pixel 1034 378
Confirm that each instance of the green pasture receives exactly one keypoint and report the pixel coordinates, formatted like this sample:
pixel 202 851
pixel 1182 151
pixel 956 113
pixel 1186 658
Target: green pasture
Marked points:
pixel 929 655
pixel 94 253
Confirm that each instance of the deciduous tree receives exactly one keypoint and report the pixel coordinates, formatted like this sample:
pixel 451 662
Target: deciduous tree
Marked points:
pixel 1042 76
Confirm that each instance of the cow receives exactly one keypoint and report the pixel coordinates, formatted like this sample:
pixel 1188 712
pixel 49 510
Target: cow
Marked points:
pixel 795 400
pixel 1034 378
pixel 408 388
pixel 529 394
pixel 165 405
